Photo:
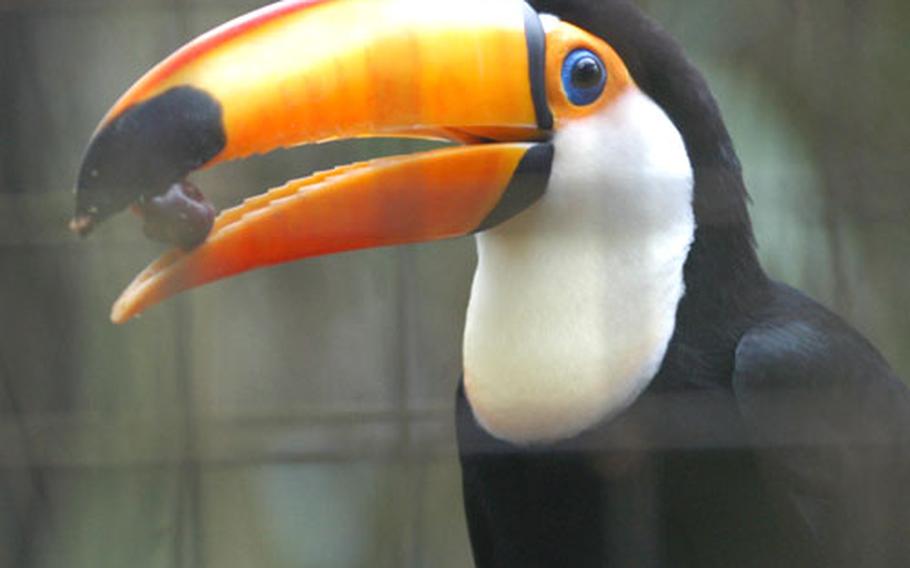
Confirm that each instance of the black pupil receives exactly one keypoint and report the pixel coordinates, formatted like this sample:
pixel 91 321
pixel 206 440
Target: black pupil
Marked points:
pixel 586 73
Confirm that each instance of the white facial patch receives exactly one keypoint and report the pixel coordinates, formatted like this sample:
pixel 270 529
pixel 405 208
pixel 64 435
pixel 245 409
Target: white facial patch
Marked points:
pixel 574 300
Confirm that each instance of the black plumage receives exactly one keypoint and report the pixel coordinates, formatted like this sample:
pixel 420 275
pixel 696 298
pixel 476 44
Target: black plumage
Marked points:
pixel 773 435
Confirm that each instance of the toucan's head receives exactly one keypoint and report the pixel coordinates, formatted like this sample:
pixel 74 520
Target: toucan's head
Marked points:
pixel 575 165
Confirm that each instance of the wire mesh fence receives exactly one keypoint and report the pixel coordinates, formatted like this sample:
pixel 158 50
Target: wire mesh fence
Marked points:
pixel 302 416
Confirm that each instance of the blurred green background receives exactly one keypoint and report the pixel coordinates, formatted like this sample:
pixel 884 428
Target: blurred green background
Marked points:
pixel 302 415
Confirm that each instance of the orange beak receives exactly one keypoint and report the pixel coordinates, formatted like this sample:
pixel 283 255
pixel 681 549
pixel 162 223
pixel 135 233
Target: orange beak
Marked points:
pixel 306 71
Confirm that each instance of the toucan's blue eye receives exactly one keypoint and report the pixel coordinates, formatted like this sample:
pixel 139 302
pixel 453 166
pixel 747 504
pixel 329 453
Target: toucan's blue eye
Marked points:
pixel 583 77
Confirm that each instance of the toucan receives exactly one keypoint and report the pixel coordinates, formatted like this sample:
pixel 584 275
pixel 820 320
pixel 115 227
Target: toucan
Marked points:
pixel 636 391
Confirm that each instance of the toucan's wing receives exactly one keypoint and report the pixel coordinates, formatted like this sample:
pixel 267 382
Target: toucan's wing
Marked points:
pixel 831 422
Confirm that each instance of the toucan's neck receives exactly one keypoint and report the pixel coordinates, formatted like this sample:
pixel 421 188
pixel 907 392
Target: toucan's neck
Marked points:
pixel 574 300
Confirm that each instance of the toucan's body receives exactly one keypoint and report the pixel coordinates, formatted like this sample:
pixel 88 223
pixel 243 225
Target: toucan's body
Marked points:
pixel 763 447
pixel 636 391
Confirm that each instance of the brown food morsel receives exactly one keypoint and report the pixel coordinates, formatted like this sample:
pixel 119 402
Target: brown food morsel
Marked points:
pixel 182 216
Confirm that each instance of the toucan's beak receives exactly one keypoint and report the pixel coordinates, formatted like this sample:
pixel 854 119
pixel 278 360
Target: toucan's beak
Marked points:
pixel 304 71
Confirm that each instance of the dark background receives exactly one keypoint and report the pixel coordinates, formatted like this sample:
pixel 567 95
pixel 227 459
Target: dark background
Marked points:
pixel 301 416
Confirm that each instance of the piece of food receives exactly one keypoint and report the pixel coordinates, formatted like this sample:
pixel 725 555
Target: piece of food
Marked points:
pixel 182 216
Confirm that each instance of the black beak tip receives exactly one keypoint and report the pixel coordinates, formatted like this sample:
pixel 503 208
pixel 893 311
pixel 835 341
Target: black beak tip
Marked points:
pixel 143 151
pixel 82 225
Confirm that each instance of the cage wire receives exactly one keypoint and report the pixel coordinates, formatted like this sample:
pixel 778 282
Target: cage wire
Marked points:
pixel 132 433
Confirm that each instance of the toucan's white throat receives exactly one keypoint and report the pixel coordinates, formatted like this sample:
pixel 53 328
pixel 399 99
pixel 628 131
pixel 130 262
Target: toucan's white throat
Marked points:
pixel 574 300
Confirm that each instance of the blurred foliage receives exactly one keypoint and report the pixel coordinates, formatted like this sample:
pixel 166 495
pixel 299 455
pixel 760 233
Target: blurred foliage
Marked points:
pixel 310 424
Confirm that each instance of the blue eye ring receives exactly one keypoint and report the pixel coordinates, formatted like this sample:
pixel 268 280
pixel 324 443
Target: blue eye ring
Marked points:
pixel 583 76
